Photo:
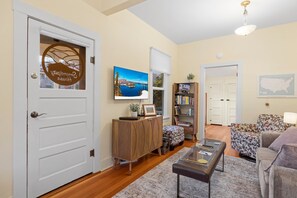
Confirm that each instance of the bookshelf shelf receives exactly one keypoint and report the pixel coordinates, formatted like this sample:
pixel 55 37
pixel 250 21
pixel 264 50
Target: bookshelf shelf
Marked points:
pixel 185 107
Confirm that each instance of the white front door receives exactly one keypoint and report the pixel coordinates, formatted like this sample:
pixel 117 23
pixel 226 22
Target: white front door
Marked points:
pixel 60 107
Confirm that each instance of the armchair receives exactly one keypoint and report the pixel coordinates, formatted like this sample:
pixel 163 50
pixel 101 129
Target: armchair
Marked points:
pixel 245 137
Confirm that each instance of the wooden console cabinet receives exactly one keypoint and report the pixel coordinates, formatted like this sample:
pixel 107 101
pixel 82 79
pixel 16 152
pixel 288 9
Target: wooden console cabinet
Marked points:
pixel 132 139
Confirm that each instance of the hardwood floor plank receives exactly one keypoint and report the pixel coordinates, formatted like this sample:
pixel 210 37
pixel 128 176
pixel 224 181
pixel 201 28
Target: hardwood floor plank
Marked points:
pixel 113 180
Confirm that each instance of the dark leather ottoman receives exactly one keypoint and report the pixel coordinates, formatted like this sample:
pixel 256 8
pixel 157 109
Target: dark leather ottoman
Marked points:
pixel 189 166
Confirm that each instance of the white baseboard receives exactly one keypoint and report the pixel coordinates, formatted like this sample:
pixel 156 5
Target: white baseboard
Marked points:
pixel 106 163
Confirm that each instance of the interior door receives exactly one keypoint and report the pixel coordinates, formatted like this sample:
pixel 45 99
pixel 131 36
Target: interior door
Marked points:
pixel 60 107
pixel 215 102
pixel 230 92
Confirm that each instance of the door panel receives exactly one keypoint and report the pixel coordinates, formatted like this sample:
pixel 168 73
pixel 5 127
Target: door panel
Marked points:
pixel 231 89
pixel 215 108
pixel 49 106
pixel 222 93
pixel 60 92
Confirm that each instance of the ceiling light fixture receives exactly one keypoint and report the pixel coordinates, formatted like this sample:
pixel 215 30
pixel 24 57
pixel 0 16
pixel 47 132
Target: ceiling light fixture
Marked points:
pixel 245 29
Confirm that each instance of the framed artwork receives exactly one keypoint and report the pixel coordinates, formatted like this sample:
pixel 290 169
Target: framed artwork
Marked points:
pixel 280 85
pixel 149 109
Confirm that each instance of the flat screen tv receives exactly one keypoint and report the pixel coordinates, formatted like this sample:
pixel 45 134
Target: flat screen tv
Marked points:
pixel 129 84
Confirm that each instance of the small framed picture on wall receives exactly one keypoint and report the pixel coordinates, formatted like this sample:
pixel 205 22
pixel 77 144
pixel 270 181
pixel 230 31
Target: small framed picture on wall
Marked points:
pixel 149 109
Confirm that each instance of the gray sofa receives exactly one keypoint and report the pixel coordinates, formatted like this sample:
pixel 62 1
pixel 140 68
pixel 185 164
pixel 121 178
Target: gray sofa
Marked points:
pixel 276 181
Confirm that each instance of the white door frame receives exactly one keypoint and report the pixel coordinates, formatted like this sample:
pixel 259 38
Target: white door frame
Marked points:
pixel 202 92
pixel 22 12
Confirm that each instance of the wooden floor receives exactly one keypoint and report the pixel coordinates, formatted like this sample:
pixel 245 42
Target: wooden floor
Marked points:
pixel 111 181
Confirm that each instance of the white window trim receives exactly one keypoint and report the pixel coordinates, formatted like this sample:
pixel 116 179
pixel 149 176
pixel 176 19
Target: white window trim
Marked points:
pixel 165 88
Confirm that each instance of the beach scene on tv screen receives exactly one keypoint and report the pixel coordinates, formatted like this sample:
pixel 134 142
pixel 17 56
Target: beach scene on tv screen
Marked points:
pixel 130 84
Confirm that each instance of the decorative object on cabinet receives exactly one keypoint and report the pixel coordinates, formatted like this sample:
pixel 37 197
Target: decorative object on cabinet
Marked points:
pixel 149 109
pixel 134 139
pixel 185 107
pixel 134 109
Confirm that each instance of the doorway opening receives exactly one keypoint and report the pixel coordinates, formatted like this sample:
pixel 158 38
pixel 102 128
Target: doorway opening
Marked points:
pixel 220 95
pixel 220 86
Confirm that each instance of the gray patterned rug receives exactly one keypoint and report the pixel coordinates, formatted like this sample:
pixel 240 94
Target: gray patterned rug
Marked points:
pixel 239 180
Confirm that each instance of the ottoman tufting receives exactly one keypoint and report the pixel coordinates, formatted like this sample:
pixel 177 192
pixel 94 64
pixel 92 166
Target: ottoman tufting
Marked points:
pixel 175 134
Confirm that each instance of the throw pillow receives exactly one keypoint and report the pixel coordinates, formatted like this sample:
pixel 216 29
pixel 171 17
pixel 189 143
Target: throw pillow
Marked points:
pixel 287 137
pixel 286 157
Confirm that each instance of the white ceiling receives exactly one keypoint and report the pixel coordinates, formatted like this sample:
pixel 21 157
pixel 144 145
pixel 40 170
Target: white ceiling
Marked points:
pixel 185 21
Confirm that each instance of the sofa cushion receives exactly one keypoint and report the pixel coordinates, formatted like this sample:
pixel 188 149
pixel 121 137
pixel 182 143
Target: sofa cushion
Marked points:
pixel 264 154
pixel 287 137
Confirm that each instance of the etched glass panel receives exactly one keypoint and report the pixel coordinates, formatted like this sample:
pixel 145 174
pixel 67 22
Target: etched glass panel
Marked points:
pixel 62 64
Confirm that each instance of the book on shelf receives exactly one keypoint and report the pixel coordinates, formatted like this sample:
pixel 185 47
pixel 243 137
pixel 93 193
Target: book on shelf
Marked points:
pixel 182 123
pixel 177 110
pixel 183 100
pixel 186 124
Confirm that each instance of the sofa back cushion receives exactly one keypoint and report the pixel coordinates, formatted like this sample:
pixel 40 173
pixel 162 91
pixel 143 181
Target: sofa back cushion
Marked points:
pixel 287 137
pixel 270 122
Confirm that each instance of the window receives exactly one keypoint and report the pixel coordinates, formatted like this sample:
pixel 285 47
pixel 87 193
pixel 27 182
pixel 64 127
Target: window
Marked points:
pixel 160 72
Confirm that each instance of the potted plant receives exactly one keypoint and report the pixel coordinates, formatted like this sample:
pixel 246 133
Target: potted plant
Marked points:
pixel 134 109
pixel 190 77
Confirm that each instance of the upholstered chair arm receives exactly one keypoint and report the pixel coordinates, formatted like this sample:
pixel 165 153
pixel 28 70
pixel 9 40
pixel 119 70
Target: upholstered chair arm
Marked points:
pixel 267 137
pixel 244 127
pixel 282 182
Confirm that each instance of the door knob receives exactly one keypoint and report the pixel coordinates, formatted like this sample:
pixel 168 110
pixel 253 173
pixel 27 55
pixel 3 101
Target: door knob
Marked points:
pixel 222 99
pixel 228 100
pixel 35 114
pixel 34 75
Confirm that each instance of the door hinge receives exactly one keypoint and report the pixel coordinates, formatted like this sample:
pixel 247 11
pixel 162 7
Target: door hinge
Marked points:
pixel 92 153
pixel 92 59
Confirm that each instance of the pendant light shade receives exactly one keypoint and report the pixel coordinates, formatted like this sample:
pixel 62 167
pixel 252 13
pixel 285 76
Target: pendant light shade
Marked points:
pixel 245 29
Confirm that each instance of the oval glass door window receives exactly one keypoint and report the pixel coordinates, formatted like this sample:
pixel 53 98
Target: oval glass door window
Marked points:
pixel 62 64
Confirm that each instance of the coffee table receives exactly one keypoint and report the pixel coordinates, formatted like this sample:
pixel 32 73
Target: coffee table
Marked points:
pixel 200 162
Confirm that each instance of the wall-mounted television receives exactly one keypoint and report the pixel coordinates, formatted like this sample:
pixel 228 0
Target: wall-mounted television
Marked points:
pixel 129 84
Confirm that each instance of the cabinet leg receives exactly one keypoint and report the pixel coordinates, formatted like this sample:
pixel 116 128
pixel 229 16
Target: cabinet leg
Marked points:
pixel 116 162
pixel 159 151
pixel 130 168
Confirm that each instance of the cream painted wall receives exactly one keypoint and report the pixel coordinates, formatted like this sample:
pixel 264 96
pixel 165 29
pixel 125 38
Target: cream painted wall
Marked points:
pixel 6 21
pixel 265 51
pixel 124 40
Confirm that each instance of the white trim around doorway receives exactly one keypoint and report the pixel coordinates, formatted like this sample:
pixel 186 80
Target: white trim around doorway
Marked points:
pixel 22 12
pixel 202 92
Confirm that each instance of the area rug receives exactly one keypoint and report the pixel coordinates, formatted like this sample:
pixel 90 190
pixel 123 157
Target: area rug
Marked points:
pixel 239 180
